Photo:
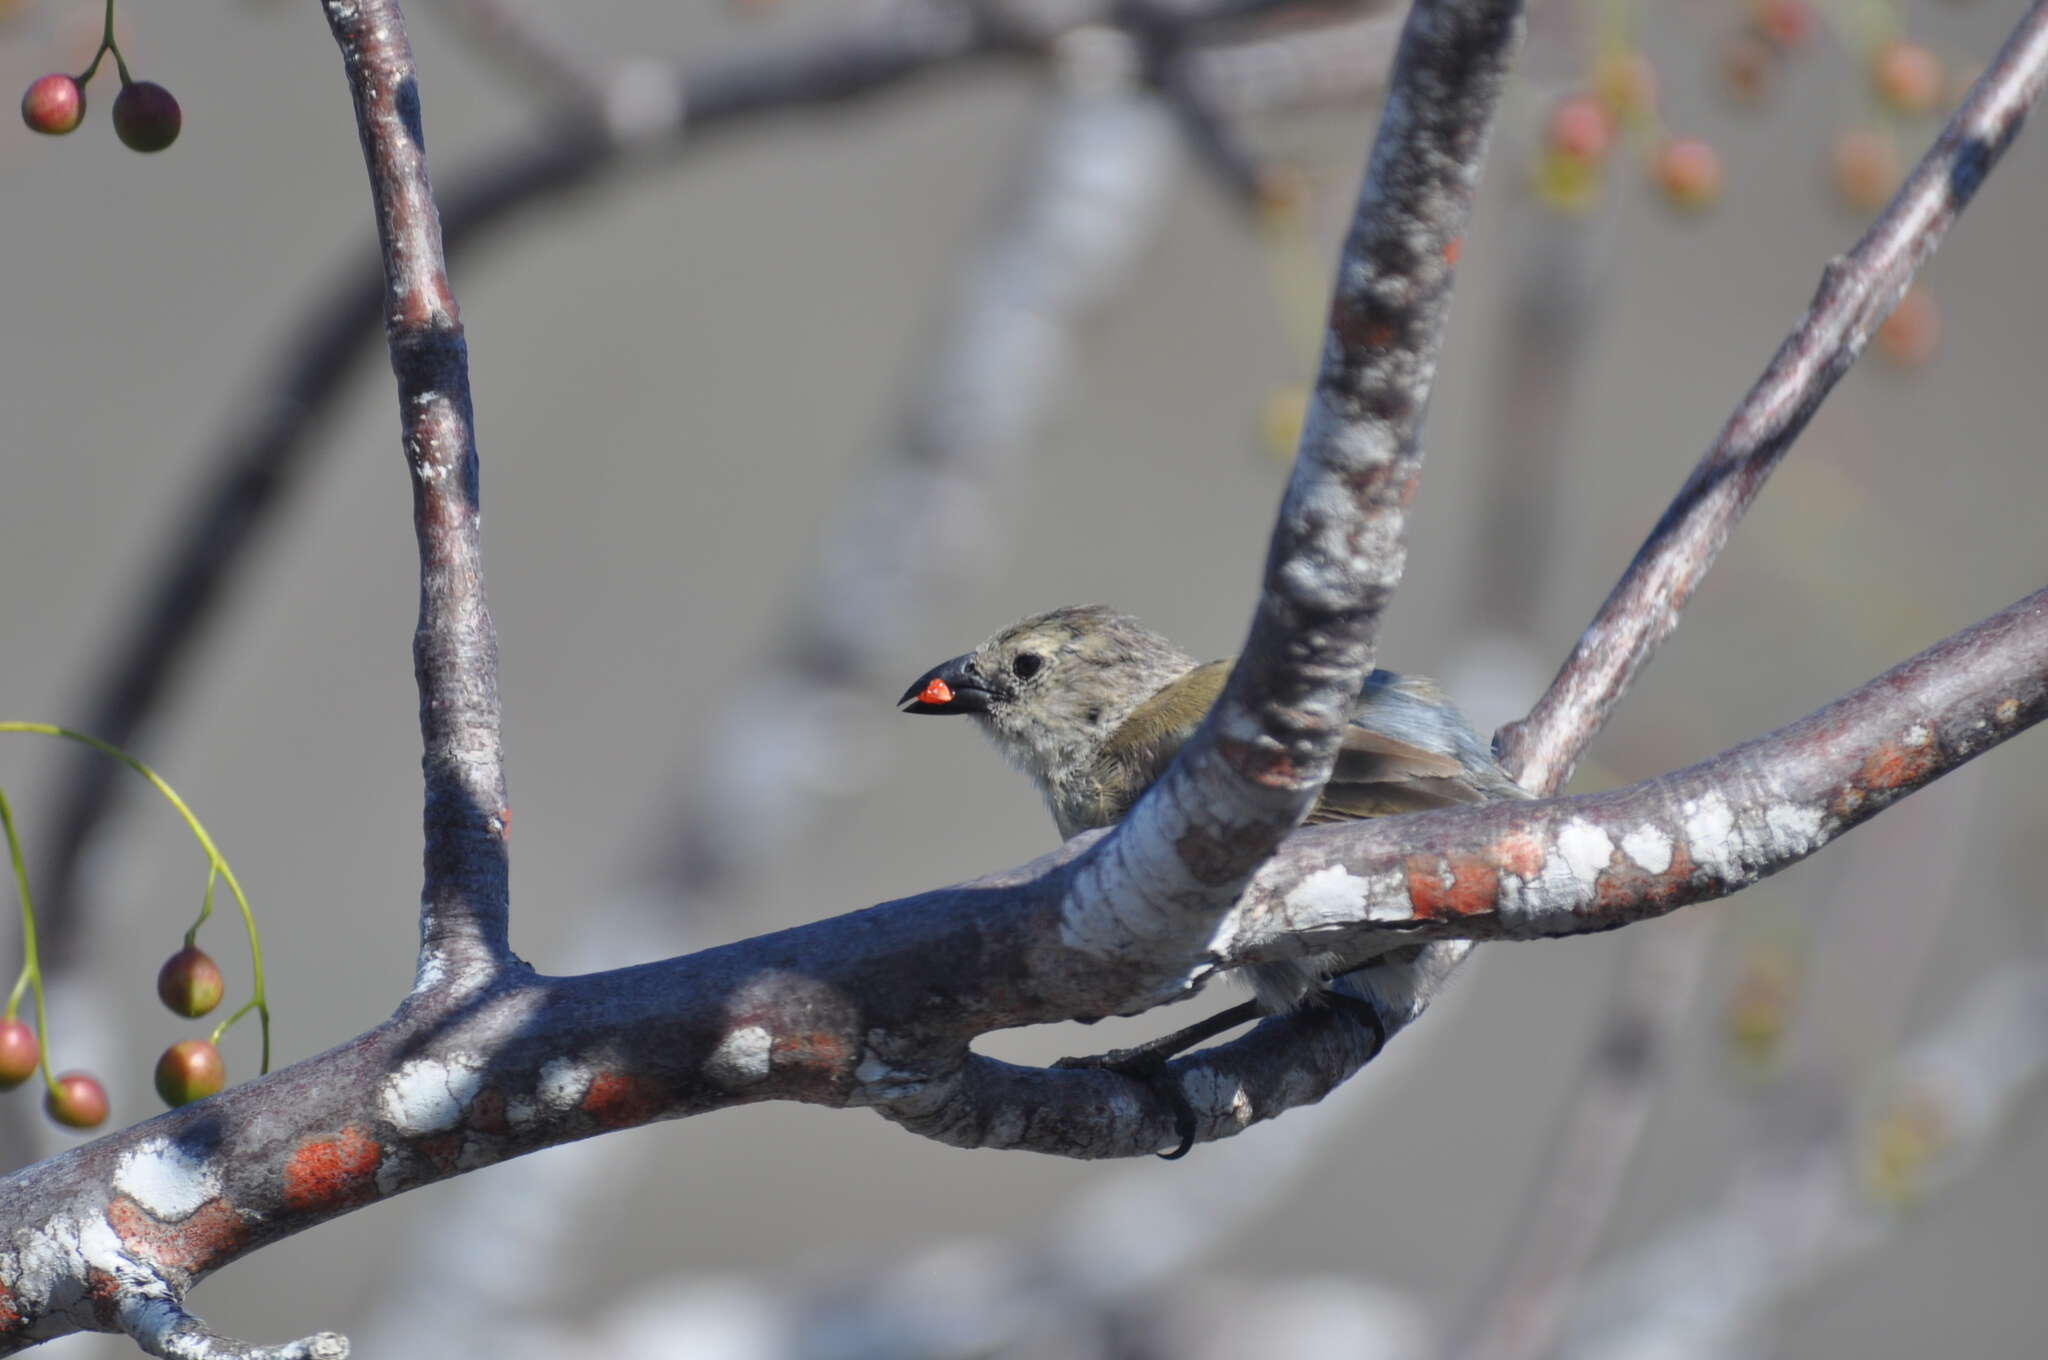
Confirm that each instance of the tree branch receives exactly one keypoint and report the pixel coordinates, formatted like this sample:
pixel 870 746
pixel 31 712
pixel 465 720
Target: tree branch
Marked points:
pixel 464 908
pixel 1145 901
pixel 1857 292
pixel 1597 861
pixel 851 1011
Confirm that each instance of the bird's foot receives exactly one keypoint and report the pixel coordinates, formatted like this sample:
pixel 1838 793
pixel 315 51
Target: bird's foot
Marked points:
pixel 1146 1063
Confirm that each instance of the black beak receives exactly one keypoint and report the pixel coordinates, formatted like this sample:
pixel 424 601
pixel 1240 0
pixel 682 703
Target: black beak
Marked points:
pixel 954 686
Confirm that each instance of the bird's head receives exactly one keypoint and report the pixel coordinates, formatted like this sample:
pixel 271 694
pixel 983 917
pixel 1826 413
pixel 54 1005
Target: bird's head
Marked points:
pixel 1050 689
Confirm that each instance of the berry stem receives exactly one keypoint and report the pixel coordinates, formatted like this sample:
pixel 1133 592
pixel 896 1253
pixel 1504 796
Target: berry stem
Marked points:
pixel 31 970
pixel 107 44
pixel 217 862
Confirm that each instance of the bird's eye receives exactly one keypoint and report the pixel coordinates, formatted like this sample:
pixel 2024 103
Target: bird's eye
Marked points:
pixel 1026 665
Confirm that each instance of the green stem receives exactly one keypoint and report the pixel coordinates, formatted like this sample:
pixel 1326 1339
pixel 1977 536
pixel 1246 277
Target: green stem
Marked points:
pixel 205 907
pixel 107 44
pixel 29 967
pixel 216 861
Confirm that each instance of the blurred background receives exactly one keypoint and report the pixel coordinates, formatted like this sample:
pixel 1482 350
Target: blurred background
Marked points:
pixel 775 415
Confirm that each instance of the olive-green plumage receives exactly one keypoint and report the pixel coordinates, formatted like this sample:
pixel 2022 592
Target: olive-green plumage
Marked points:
pixel 1093 706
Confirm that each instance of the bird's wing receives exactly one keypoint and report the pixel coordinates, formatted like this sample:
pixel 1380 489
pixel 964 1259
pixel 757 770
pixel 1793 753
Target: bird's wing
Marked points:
pixel 1147 740
pixel 1378 774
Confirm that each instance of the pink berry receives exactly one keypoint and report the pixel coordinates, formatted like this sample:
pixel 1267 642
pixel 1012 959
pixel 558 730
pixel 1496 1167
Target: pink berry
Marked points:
pixel 189 1070
pixel 54 105
pixel 79 1102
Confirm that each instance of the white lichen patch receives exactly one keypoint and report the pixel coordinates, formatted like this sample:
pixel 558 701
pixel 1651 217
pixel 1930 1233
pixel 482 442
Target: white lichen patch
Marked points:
pixel 563 1084
pixel 1328 892
pixel 46 1258
pixel 1710 836
pixel 1336 896
pixel 428 1095
pixel 1794 829
pixel 1648 848
pixel 1585 851
pixel 741 1058
pixel 168 1181
pixel 881 1082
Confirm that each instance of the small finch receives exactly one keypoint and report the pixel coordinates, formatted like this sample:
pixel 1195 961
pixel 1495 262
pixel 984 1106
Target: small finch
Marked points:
pixel 1093 705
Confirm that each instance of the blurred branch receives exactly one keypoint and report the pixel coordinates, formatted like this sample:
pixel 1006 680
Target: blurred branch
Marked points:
pixel 274 438
pixel 1856 293
pixel 916 522
pixel 1804 1210
pixel 538 58
pixel 1305 67
pixel 1578 1183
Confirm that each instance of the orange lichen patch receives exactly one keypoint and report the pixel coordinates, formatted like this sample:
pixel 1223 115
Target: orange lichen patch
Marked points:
pixel 1626 888
pixel 2007 712
pixel 1519 853
pixel 201 1240
pixel 618 1100
pixel 1898 765
pixel 813 1048
pixel 1453 250
pixel 1464 885
pixel 105 1292
pixel 11 1318
pixel 333 1173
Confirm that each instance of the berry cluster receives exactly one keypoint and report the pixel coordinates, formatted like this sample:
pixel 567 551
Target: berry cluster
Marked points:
pixel 146 115
pixel 191 1069
pixel 189 984
pixel 1904 79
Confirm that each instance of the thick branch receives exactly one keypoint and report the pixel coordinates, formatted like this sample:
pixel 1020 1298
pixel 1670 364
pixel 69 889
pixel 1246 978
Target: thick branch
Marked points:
pixel 1146 900
pixel 1536 870
pixel 1856 293
pixel 849 1011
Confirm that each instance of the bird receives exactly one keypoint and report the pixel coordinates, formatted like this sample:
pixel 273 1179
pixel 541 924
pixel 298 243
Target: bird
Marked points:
pixel 1092 705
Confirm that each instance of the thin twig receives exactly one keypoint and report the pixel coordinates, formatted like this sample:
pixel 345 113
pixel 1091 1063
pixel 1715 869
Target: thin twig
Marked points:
pixel 1856 293
pixel 464 907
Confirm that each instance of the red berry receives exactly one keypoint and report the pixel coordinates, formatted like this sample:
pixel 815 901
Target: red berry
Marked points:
pixel 189 1070
pixel 1909 336
pixel 189 983
pixel 1688 170
pixel 1866 168
pixel 55 105
pixel 1906 76
pixel 146 116
pixel 1580 127
pixel 19 1052
pixel 79 1102
pixel 1788 23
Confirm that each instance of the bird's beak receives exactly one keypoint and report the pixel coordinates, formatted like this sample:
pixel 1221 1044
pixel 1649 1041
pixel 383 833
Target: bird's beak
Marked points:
pixel 954 686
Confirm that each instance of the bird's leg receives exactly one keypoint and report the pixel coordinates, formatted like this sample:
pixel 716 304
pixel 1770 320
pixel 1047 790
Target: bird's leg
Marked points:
pixel 1147 1063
